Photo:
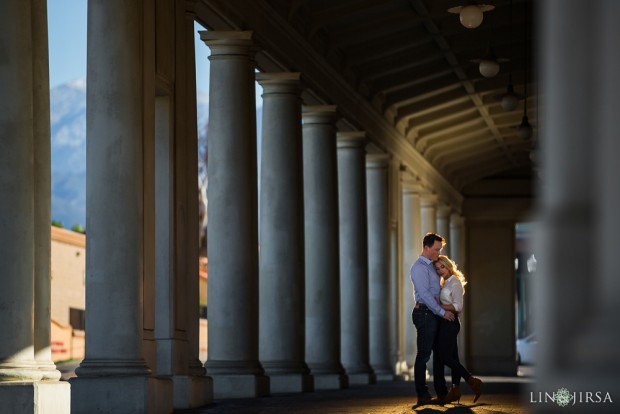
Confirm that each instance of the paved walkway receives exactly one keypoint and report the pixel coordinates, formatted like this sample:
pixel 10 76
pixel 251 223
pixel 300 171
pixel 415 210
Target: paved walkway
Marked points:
pixel 500 395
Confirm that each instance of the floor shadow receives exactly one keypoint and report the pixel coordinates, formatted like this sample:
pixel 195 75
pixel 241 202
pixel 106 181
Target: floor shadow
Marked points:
pixel 447 408
pixel 456 409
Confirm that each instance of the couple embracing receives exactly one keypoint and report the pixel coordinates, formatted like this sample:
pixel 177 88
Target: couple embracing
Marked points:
pixel 438 287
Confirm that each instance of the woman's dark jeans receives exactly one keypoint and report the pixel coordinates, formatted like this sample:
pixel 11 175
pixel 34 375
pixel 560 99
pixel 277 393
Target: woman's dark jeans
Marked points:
pixel 449 350
pixel 427 323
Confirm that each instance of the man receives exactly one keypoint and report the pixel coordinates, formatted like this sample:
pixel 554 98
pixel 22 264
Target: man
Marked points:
pixel 425 315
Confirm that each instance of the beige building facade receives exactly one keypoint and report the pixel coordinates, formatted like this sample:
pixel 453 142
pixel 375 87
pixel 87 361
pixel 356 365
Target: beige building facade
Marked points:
pixel 68 299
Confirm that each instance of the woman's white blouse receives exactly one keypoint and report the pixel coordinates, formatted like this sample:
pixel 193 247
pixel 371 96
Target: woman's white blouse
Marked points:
pixel 452 293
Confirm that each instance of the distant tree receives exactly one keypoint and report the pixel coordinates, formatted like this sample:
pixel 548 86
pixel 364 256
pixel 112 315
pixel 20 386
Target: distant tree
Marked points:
pixel 78 228
pixel 57 223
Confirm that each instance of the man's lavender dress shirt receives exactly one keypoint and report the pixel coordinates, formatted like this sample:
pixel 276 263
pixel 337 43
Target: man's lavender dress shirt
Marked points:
pixel 426 285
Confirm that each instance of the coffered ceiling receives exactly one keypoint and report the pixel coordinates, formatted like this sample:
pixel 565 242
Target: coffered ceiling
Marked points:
pixel 410 62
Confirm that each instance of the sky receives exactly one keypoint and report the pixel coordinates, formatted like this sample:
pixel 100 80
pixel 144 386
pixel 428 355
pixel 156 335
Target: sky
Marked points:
pixel 67 44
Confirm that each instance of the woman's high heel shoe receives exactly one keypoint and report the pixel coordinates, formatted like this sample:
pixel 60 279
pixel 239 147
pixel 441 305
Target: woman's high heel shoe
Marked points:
pixel 454 394
pixel 476 386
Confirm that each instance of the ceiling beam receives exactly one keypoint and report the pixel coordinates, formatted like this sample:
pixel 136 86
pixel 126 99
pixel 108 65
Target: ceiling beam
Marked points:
pixel 432 28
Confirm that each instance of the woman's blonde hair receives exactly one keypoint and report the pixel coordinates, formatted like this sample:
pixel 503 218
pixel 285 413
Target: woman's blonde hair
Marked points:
pixel 452 268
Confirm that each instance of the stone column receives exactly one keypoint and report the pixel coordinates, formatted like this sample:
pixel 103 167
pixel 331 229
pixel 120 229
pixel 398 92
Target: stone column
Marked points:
pixel 443 226
pixel 428 215
pixel 457 239
pixel 577 231
pixel 233 222
pixel 395 314
pixel 281 287
pixel 395 214
pixel 412 247
pixel 114 370
pixel 457 253
pixel 428 223
pixel 353 224
pixel 42 193
pixel 378 264
pixel 17 182
pixel 322 299
pixel 16 204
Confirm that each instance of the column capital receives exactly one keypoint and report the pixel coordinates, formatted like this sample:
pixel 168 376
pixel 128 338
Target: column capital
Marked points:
pixel 428 199
pixel 229 43
pixel 381 160
pixel 443 210
pixel 319 114
pixel 351 139
pixel 456 220
pixel 279 82
pixel 410 184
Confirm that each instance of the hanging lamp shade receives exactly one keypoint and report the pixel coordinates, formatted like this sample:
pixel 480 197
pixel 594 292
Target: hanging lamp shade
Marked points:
pixel 488 67
pixel 524 130
pixel 510 100
pixel 489 64
pixel 471 16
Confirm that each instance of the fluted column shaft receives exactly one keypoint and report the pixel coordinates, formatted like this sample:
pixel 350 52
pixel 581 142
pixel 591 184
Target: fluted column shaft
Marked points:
pixel 114 188
pixel 396 316
pixel 17 186
pixel 378 264
pixel 353 257
pixel 457 239
pixel 281 287
pixel 412 247
pixel 443 225
pixel 457 253
pixel 322 301
pixel 428 214
pixel 233 216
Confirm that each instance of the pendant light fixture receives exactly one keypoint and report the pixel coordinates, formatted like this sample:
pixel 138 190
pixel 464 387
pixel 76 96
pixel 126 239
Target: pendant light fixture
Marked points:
pixel 489 64
pixel 471 15
pixel 510 100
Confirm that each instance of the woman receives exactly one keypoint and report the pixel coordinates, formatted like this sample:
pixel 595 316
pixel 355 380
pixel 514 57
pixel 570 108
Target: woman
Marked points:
pixel 451 298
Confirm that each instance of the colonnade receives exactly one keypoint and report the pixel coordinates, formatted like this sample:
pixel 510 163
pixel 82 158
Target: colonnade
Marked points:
pixel 303 305
pixel 321 291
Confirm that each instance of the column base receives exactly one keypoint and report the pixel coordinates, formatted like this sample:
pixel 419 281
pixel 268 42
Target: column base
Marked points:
pixel 384 373
pixel 288 383
pixel 240 385
pixel 191 391
pixel 330 382
pixel 121 395
pixel 50 373
pixel 40 397
pixel 362 378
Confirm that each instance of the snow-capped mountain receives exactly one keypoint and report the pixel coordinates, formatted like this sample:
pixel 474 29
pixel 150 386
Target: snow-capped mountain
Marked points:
pixel 68 125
